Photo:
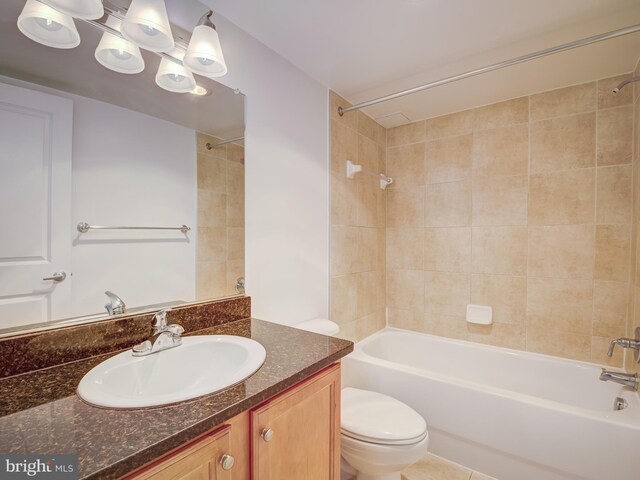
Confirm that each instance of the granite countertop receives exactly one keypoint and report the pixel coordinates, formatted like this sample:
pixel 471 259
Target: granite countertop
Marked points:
pixel 42 414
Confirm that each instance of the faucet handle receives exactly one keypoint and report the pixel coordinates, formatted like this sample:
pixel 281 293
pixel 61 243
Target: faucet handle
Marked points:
pixel 160 320
pixel 624 343
pixel 115 306
pixel 175 329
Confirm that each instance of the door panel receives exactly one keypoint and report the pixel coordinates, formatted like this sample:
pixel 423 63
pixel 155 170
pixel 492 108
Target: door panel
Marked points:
pixel 35 173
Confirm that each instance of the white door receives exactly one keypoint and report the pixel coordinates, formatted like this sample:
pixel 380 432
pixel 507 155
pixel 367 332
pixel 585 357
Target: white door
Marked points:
pixel 35 205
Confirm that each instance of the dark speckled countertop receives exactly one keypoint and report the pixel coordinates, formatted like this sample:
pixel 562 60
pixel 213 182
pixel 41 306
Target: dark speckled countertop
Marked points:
pixel 111 442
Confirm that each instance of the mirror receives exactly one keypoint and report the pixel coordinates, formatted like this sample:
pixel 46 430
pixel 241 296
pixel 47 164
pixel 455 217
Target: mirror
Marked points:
pixel 82 144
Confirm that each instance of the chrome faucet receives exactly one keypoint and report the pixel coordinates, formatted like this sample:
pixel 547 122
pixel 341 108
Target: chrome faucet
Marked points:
pixel 115 306
pixel 162 337
pixel 625 379
pixel 240 285
pixel 633 343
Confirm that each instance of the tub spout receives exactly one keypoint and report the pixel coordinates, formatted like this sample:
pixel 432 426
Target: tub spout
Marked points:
pixel 625 379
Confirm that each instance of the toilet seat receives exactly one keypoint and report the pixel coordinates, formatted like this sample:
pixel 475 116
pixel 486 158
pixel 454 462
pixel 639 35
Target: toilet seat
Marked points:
pixel 378 441
pixel 372 417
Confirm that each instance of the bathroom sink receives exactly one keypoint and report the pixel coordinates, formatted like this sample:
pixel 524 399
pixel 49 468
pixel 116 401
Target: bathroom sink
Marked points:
pixel 201 365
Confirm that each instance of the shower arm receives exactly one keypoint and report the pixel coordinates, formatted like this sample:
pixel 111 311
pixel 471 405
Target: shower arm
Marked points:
pixel 623 83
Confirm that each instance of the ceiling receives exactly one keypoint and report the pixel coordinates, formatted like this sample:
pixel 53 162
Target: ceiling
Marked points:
pixel 365 49
pixel 76 71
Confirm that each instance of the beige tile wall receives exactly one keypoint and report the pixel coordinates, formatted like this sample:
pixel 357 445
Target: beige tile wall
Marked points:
pixel 220 239
pixel 523 205
pixel 634 277
pixel 357 224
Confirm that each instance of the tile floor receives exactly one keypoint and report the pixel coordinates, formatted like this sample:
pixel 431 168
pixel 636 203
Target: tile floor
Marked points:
pixel 432 467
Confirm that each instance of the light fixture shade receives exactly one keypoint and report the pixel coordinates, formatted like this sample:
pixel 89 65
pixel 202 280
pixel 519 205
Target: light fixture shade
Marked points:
pixel 47 26
pixel 118 54
pixel 204 53
pixel 88 9
pixel 147 25
pixel 174 77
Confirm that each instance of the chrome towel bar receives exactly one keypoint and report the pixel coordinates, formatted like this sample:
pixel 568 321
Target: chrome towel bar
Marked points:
pixel 84 227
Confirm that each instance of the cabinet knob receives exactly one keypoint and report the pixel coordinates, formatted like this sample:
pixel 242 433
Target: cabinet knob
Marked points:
pixel 267 434
pixel 227 461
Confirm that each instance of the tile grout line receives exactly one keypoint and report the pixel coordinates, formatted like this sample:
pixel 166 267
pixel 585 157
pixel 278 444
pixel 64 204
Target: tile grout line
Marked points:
pixel 632 266
pixel 471 208
pixel 423 308
pixel 595 226
pixel 526 288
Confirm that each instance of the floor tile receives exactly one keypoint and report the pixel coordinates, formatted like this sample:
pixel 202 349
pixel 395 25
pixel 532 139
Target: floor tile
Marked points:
pixel 432 467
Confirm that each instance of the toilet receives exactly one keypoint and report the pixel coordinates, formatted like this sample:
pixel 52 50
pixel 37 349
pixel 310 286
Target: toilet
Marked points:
pixel 380 435
pixel 319 325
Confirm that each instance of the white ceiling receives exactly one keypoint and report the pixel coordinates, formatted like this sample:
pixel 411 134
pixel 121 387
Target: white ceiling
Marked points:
pixel 364 49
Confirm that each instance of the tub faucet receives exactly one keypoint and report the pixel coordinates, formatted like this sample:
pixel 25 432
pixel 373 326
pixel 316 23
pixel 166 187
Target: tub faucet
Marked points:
pixel 115 306
pixel 625 379
pixel 162 337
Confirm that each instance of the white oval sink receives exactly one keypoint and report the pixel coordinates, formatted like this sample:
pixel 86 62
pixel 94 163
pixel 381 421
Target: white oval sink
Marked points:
pixel 201 365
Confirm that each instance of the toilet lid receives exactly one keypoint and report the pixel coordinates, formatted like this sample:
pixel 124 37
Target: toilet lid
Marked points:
pixel 377 418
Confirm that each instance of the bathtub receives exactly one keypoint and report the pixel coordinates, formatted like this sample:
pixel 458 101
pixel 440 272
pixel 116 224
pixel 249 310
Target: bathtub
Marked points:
pixel 510 414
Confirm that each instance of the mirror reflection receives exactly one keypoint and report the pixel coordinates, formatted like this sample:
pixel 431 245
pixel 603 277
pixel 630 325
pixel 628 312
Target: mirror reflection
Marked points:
pixel 84 147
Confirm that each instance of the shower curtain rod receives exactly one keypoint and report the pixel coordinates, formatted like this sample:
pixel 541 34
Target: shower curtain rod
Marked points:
pixel 496 66
pixel 223 142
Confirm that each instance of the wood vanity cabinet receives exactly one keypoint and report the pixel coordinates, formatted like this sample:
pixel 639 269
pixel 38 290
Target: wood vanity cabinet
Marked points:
pixel 201 459
pixel 294 435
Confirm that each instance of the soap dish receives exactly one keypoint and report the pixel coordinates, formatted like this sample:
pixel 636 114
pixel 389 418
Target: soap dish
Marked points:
pixel 479 314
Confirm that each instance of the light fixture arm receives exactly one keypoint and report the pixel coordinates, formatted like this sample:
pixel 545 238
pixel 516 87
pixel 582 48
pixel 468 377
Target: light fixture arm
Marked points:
pixel 206 20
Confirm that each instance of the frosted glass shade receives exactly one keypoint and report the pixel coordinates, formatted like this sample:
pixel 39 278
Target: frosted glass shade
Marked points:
pixel 47 26
pixel 89 9
pixel 118 54
pixel 204 53
pixel 147 25
pixel 174 77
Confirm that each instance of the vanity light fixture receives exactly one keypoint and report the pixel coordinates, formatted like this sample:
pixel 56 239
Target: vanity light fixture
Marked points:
pixel 144 25
pixel 89 9
pixel 172 76
pixel 204 53
pixel 147 25
pixel 116 53
pixel 48 26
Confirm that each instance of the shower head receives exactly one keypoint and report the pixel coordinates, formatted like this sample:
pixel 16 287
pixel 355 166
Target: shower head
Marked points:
pixel 623 83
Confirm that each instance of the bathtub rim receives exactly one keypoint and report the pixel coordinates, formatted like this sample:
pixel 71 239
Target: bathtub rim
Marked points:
pixel 481 346
pixel 629 418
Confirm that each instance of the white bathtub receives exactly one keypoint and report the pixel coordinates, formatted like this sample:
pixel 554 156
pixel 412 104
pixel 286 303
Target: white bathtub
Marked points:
pixel 510 414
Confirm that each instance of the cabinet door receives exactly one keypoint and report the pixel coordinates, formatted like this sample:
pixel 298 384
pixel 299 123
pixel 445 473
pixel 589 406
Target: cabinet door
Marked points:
pixel 199 460
pixel 297 434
